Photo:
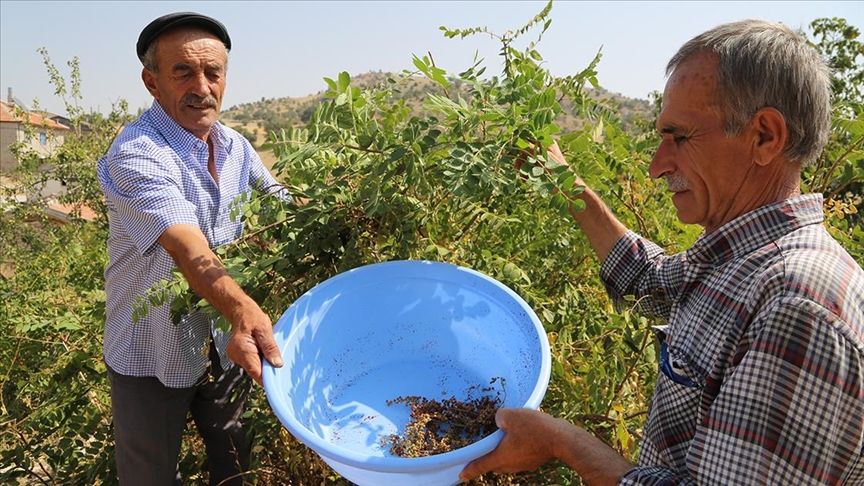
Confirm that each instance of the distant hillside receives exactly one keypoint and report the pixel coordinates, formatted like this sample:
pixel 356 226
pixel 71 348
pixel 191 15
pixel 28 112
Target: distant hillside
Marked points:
pixel 256 119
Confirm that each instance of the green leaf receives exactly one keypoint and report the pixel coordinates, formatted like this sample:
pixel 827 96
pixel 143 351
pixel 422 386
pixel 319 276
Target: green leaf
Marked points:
pixel 344 82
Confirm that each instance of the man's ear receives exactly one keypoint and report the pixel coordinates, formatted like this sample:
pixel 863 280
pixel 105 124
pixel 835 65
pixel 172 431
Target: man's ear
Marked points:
pixel 149 78
pixel 772 133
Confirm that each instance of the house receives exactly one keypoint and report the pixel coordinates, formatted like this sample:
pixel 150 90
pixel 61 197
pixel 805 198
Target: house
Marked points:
pixel 15 121
pixel 45 134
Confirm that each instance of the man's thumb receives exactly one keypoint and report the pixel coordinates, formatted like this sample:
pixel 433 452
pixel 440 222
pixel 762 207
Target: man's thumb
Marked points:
pixel 268 347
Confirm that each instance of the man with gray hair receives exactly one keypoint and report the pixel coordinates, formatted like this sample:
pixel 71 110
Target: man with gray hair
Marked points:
pixel 169 180
pixel 762 361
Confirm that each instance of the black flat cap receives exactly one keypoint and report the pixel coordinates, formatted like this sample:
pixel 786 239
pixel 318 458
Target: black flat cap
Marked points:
pixel 176 19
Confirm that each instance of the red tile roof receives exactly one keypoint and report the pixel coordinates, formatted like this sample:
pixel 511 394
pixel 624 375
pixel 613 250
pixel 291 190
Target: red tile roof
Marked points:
pixel 63 212
pixel 8 116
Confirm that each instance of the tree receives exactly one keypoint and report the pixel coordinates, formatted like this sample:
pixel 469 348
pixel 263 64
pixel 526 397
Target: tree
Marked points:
pixel 839 172
pixel 839 43
pixel 53 393
pixel 74 161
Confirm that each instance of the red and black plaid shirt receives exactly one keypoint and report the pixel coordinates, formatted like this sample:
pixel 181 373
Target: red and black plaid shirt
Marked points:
pixel 764 378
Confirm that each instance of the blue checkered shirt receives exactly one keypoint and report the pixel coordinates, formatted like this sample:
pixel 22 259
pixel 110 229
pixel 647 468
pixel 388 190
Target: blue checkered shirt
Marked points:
pixel 766 331
pixel 155 176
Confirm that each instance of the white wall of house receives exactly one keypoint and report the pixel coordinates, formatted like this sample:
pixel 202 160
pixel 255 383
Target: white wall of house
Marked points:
pixel 8 135
pixel 43 142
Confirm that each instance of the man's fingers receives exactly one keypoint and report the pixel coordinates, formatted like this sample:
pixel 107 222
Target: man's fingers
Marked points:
pixel 247 350
pixel 267 345
pixel 482 465
pixel 253 369
pixel 249 361
pixel 473 470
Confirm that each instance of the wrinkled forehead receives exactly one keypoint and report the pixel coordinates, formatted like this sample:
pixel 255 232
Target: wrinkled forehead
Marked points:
pixel 695 79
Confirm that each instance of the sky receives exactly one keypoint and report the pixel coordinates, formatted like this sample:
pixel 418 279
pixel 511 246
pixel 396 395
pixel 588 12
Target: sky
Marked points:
pixel 287 48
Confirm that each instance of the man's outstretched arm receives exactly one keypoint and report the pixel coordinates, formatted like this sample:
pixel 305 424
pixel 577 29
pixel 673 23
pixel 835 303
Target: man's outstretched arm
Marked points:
pixel 251 328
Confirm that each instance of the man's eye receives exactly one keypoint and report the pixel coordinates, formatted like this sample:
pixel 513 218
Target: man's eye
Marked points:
pixel 679 139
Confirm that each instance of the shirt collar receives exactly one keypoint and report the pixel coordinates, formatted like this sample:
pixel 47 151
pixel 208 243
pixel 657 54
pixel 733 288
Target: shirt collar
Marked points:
pixel 755 229
pixel 181 139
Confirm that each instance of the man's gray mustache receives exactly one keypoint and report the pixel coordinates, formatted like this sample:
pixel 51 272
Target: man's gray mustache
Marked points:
pixel 675 182
pixel 208 101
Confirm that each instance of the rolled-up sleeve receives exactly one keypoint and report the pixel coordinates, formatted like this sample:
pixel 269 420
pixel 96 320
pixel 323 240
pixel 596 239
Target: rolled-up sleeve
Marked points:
pixel 145 194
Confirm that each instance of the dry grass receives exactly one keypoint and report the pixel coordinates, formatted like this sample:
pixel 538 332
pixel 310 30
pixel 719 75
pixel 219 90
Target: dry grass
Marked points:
pixel 268 158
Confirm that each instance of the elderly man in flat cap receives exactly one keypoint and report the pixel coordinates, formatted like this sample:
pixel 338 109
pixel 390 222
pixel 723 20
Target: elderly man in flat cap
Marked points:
pixel 168 180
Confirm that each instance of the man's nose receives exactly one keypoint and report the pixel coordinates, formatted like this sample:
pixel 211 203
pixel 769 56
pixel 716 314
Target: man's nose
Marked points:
pixel 201 85
pixel 663 161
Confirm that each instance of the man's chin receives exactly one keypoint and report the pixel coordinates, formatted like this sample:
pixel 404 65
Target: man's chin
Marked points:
pixel 199 125
pixel 684 207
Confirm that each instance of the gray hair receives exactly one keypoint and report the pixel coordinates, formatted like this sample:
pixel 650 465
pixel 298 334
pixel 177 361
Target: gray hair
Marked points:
pixel 152 64
pixel 763 64
pixel 149 59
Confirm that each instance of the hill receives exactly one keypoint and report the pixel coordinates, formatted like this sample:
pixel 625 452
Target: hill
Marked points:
pixel 256 120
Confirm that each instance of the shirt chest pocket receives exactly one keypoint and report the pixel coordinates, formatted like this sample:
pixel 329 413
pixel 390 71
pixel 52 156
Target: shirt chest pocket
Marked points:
pixel 677 369
pixel 675 412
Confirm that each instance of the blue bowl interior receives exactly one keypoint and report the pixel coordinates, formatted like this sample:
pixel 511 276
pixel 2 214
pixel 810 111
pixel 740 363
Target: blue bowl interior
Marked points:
pixel 397 329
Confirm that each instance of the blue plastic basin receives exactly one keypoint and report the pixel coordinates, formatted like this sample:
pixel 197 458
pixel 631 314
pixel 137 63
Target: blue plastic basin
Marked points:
pixel 394 329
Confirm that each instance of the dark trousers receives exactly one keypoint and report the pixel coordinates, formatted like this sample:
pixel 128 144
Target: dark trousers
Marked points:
pixel 149 420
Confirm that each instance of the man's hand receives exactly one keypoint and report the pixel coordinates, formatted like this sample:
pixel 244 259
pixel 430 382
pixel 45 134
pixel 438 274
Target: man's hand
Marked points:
pixel 553 152
pixel 598 223
pixel 251 339
pixel 531 438
pixel 527 444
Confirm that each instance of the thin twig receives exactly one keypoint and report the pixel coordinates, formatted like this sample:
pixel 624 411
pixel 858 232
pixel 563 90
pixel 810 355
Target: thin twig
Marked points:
pixel 9 373
pixel 633 363
pixel 361 149
pixel 837 162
